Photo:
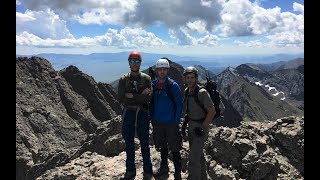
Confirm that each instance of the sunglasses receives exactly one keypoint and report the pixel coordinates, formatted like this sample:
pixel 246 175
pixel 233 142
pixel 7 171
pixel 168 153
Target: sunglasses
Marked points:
pixel 131 61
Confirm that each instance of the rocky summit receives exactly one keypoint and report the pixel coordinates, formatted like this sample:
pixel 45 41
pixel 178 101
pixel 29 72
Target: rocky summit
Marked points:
pixel 68 126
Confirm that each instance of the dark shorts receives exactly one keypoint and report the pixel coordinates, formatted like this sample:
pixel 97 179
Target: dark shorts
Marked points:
pixel 167 135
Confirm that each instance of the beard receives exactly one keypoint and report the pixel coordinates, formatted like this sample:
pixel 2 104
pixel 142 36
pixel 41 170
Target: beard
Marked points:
pixel 137 70
pixel 191 85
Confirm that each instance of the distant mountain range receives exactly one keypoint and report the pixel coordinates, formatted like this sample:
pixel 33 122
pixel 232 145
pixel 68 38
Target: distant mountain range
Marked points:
pixel 291 64
pixel 251 93
pixel 254 90
pixel 107 67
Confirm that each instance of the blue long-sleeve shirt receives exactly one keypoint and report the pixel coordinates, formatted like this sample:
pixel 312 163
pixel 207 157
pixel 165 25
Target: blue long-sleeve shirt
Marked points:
pixel 162 108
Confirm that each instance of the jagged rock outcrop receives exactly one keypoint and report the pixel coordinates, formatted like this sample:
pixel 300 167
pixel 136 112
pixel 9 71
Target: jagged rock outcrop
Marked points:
pixel 86 86
pixel 252 102
pixel 202 72
pixel 55 112
pixel 259 150
pixel 254 150
pixel 285 82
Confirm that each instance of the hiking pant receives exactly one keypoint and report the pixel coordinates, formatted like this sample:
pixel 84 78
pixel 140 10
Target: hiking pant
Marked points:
pixel 128 133
pixel 197 164
pixel 167 136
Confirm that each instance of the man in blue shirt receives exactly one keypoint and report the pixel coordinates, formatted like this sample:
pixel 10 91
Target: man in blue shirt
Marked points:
pixel 166 108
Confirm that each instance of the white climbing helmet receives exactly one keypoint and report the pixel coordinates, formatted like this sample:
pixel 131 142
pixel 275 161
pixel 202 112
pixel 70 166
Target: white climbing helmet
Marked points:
pixel 162 63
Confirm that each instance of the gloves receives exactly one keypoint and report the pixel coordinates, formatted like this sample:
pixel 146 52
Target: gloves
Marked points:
pixel 198 131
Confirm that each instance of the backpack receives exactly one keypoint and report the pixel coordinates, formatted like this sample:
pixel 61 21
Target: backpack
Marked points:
pixel 152 73
pixel 214 95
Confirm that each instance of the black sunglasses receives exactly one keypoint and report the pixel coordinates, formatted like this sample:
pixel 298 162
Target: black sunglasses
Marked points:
pixel 131 61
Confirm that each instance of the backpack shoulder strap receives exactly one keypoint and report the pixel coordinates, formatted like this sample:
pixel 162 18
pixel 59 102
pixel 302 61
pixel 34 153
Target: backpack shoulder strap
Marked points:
pixel 145 78
pixel 186 92
pixel 196 98
pixel 169 94
pixel 126 79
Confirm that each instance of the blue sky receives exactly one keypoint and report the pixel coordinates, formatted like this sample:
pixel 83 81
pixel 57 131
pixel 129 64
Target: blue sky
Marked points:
pixel 179 27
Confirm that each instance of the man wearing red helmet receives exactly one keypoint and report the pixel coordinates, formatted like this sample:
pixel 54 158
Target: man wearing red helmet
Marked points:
pixel 135 92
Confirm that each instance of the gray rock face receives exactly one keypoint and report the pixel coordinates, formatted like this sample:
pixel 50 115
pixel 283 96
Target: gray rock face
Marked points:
pixel 252 151
pixel 255 150
pixel 55 112
pixel 288 79
pixel 251 101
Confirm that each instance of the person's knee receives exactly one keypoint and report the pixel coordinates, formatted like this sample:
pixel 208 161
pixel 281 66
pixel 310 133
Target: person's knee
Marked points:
pixel 144 141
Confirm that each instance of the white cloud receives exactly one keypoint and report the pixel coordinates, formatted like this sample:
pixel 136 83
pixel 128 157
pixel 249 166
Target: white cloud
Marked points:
pixel 87 12
pixel 129 38
pixel 197 26
pixel 176 13
pixel 18 2
pixel 236 16
pixel 44 24
pixel 111 12
pixel 24 18
pixel 265 20
pixel 126 38
pixel 182 36
pixel 134 12
pixel 27 39
pixel 243 18
pixel 208 40
pixel 140 37
pixel 287 39
pixel 253 43
pixel 185 39
pixel 298 7
pixel 206 3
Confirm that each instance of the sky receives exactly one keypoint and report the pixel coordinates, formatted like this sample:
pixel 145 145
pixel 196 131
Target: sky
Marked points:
pixel 179 27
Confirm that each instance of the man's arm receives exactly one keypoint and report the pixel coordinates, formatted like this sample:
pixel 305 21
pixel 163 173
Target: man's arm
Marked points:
pixel 211 112
pixel 177 96
pixel 122 94
pixel 146 95
pixel 121 90
pixel 209 106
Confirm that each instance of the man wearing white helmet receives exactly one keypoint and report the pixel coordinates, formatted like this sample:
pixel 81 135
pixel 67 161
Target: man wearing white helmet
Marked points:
pixel 166 109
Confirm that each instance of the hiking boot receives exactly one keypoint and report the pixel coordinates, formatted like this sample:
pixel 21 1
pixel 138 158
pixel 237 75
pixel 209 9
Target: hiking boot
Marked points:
pixel 147 176
pixel 162 170
pixel 129 175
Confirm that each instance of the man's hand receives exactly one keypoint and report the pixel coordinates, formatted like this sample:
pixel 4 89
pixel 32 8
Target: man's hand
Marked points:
pixel 199 131
pixel 205 124
pixel 147 91
pixel 128 95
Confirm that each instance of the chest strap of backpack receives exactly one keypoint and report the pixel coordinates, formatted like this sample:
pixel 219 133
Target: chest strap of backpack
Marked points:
pixel 196 98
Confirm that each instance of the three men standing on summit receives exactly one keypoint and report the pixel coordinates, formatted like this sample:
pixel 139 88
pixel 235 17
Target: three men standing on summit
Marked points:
pixel 161 101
